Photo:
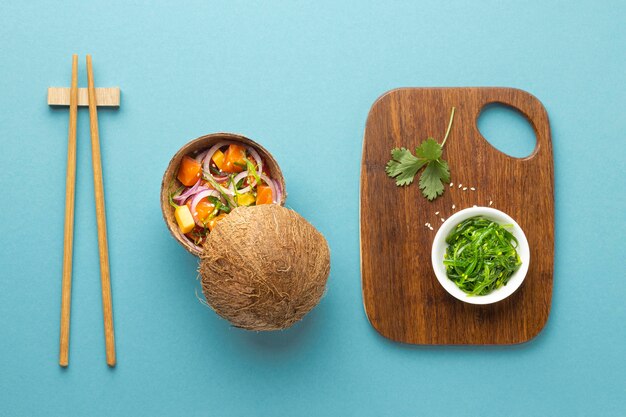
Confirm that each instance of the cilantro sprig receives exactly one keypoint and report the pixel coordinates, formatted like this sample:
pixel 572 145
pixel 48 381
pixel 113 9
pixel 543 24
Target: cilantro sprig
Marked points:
pixel 403 165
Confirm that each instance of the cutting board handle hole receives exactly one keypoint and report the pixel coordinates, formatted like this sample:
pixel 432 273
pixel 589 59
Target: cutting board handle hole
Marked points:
pixel 507 130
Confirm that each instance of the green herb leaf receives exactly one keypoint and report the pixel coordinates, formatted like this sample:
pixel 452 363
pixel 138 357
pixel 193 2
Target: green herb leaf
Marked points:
pixel 214 213
pixel 214 170
pixel 429 149
pixel 433 178
pixel 403 165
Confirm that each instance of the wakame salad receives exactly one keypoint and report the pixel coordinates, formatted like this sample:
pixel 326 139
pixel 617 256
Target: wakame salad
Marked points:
pixel 481 255
pixel 215 181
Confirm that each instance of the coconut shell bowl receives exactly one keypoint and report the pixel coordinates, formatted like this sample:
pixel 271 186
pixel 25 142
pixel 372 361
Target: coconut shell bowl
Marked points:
pixel 196 147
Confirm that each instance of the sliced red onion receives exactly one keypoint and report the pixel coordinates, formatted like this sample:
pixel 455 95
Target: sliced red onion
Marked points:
pixel 201 156
pixel 207 160
pixel 238 178
pixel 279 194
pixel 211 151
pixel 226 190
pixel 197 198
pixel 180 199
pixel 255 155
pixel 198 190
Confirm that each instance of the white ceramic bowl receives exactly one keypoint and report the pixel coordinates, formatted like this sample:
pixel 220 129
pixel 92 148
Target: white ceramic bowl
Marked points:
pixel 440 246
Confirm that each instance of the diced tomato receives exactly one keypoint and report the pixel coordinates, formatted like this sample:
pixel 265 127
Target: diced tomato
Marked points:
pixel 234 159
pixel 211 223
pixel 189 171
pixel 263 195
pixel 203 209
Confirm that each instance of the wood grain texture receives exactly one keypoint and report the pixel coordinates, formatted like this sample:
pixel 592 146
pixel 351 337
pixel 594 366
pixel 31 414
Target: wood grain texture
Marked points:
pixel 68 229
pixel 402 298
pixel 106 97
pixel 103 249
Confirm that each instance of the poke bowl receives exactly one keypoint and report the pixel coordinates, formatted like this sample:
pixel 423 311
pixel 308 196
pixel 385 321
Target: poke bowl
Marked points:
pixel 210 176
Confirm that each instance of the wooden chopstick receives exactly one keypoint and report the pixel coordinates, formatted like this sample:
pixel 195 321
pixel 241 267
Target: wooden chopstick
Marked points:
pixel 68 230
pixel 107 307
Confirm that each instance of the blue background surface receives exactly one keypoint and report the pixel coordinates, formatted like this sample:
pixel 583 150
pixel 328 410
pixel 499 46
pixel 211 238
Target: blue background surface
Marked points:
pixel 299 77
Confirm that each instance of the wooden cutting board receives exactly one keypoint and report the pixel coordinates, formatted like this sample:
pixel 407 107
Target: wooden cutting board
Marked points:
pixel 402 298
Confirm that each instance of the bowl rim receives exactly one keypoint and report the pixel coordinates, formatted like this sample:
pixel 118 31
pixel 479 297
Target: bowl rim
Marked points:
pixel 191 146
pixel 439 246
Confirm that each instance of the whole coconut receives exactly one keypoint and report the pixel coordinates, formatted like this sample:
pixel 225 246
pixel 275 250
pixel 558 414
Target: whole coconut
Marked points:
pixel 264 267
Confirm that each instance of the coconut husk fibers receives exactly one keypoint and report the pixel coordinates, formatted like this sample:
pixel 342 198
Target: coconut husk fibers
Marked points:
pixel 264 267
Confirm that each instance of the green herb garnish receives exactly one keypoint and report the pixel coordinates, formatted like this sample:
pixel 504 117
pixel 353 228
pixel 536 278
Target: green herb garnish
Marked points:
pixel 199 234
pixel 481 256
pixel 252 171
pixel 214 170
pixel 231 181
pixel 221 190
pixel 223 207
pixel 219 206
pixel 403 165
pixel 173 194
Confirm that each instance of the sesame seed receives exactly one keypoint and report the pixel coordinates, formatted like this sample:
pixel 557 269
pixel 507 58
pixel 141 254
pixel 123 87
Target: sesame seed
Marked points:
pixel 430 227
pixel 443 220
pixel 436 213
pixel 473 189
pixel 453 207
pixel 460 185
pixel 451 184
pixel 464 188
pixel 426 224
pixel 491 202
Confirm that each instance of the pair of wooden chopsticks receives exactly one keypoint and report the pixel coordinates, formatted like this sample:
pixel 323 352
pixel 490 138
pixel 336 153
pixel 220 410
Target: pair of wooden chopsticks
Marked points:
pixel 68 235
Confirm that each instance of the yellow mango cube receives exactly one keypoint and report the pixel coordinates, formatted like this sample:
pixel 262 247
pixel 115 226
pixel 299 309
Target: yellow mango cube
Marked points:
pixel 218 158
pixel 245 199
pixel 184 219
